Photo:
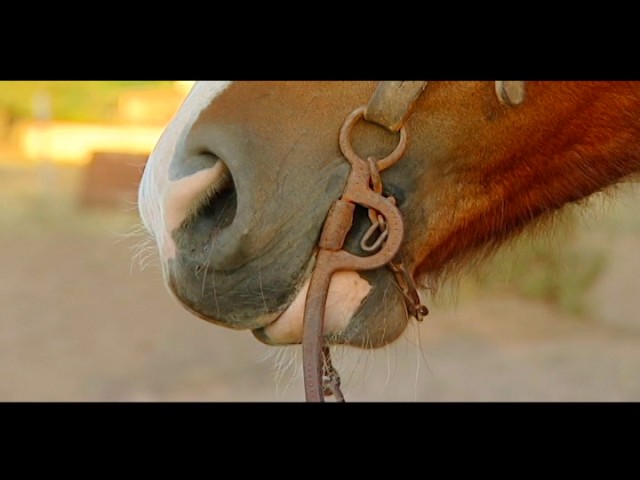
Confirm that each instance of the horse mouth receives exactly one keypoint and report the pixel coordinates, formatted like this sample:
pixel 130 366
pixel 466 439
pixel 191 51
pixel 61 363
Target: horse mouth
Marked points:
pixel 347 292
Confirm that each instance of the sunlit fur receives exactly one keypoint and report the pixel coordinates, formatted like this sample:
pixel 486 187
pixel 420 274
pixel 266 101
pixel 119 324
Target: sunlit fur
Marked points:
pixel 570 141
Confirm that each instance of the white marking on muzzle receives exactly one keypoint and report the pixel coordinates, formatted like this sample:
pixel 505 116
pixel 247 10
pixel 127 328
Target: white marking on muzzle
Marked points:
pixel 163 204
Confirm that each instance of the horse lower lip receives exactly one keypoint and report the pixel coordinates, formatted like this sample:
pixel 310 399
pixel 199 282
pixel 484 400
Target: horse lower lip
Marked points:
pixel 346 293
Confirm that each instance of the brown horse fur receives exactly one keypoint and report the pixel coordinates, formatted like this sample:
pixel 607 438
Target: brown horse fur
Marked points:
pixel 571 140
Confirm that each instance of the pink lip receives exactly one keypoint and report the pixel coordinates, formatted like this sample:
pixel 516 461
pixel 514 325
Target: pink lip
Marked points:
pixel 346 293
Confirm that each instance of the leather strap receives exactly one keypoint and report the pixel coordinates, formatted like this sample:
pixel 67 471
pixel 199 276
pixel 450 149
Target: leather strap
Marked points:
pixel 391 103
pixel 510 92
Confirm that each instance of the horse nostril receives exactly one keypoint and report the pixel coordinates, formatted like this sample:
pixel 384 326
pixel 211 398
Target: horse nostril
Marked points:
pixel 219 203
pixel 213 210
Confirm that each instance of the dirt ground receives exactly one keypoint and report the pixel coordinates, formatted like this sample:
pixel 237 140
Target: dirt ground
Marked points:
pixel 80 321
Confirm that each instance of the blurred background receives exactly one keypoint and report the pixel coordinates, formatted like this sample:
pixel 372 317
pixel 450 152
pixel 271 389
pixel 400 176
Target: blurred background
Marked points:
pixel 84 315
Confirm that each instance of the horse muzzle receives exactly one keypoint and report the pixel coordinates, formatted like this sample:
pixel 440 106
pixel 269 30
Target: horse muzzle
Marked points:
pixel 241 270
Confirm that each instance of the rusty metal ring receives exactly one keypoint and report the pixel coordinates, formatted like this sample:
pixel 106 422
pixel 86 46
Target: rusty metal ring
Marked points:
pixel 350 154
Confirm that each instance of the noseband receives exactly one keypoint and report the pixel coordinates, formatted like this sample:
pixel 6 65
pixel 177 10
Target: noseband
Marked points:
pixel 389 107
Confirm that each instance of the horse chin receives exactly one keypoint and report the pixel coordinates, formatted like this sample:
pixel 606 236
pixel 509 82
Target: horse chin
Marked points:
pixel 363 310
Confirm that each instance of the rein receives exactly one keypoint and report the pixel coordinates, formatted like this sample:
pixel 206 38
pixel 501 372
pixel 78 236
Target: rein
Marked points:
pixel 389 106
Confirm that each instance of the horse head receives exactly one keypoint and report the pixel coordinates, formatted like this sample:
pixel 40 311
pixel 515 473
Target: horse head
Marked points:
pixel 239 185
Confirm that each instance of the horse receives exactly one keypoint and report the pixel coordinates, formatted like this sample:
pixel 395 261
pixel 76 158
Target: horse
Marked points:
pixel 240 188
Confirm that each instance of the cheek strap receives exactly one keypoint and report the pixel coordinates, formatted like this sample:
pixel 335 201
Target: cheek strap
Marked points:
pixel 391 103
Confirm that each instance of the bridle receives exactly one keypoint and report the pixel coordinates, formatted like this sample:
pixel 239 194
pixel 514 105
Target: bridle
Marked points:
pixel 389 106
